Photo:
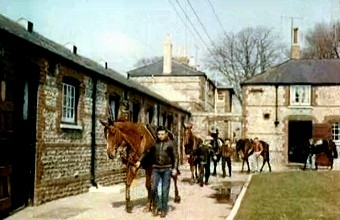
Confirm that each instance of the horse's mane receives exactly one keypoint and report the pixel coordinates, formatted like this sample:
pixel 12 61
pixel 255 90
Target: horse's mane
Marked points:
pixel 133 133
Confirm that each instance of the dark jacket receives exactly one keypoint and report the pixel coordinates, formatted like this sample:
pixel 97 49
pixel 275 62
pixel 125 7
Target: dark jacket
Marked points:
pixel 165 155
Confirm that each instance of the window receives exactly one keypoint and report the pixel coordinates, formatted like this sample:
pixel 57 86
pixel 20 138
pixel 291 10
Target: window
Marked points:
pixel 135 111
pixel 300 95
pixel 220 96
pixel 336 131
pixel 114 106
pixel 150 114
pixel 70 100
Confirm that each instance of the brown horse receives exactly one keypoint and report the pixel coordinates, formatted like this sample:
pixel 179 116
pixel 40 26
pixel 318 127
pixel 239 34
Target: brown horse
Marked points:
pixel 244 148
pixel 191 143
pixel 133 141
pixel 325 154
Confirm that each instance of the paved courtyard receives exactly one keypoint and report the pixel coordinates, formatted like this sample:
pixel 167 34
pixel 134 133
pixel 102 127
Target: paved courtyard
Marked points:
pixel 214 201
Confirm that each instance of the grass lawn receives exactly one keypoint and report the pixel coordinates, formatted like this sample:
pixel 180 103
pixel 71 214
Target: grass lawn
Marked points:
pixel 300 195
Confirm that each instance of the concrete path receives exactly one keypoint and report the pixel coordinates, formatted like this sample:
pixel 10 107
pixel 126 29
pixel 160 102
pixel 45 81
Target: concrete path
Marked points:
pixel 214 201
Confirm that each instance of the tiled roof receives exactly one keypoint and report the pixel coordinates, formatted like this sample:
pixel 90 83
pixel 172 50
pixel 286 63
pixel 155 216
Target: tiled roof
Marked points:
pixel 40 41
pixel 309 71
pixel 156 69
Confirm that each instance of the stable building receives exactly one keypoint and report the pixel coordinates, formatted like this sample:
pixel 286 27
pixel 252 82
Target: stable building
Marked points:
pixel 51 100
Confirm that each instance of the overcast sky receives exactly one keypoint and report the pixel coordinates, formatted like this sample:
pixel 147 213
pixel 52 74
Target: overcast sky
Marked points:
pixel 123 31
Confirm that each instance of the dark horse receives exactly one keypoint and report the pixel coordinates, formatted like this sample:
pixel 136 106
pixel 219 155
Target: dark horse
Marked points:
pixel 191 143
pixel 216 144
pixel 202 156
pixel 244 148
pixel 133 141
pixel 325 154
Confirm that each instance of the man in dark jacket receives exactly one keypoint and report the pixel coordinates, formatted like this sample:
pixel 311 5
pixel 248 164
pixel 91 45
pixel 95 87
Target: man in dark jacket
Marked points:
pixel 165 162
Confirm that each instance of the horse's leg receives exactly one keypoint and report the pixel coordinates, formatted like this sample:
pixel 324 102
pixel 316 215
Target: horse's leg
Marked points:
pixel 192 169
pixel 148 172
pixel 247 161
pixel 228 160
pixel 215 165
pixel 206 171
pixel 243 160
pixel 270 168
pixel 130 175
pixel 177 197
pixel 223 166
pixel 263 163
pixel 201 173
pixel 196 168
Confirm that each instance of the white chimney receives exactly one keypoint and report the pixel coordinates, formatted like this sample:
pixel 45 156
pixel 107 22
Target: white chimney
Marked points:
pixel 295 50
pixel 192 62
pixel 167 57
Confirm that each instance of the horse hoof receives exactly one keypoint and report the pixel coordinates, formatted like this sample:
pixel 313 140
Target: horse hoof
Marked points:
pixel 177 199
pixel 201 184
pixel 147 208
pixel 129 209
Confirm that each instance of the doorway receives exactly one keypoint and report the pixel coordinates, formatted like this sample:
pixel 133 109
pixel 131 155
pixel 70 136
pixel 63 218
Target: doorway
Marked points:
pixel 18 104
pixel 299 133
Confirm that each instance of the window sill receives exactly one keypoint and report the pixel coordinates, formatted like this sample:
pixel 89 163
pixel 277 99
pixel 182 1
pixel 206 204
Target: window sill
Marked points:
pixel 301 106
pixel 72 127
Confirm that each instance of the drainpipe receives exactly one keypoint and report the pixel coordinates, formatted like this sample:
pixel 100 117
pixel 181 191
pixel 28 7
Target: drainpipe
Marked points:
pixel 158 113
pixel 93 134
pixel 276 122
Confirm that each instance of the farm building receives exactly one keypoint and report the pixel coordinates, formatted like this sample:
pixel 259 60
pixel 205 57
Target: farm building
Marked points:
pixel 292 102
pixel 51 99
pixel 181 82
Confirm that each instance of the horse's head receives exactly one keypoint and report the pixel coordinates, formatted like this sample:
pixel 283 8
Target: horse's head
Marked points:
pixel 114 138
pixel 188 139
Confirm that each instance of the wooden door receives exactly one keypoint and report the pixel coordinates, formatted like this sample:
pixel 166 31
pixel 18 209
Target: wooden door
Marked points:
pixel 322 131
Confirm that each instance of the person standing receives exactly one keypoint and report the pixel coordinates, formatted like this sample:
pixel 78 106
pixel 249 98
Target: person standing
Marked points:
pixel 226 153
pixel 165 165
pixel 255 157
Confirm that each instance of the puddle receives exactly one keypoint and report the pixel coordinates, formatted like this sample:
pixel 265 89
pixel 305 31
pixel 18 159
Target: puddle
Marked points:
pixel 227 192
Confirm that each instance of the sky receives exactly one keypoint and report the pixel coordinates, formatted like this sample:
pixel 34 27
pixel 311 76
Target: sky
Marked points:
pixel 120 32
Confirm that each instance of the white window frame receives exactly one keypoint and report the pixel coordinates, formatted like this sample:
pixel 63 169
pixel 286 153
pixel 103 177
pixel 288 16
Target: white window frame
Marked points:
pixel 336 131
pixel 300 95
pixel 69 103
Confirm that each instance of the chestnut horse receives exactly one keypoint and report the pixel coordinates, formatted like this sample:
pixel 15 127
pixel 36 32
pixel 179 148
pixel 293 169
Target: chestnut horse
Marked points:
pixel 133 142
pixel 191 143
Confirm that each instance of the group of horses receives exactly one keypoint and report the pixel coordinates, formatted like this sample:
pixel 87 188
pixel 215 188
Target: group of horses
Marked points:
pixel 324 153
pixel 132 142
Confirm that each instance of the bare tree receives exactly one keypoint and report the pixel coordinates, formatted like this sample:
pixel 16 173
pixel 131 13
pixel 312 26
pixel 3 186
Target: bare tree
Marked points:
pixel 239 56
pixel 322 42
pixel 146 61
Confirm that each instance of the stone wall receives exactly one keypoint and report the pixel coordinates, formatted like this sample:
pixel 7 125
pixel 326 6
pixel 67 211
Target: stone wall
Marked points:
pixel 196 90
pixel 64 154
pixel 259 114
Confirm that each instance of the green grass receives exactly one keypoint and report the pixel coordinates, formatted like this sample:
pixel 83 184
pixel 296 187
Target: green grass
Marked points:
pixel 300 195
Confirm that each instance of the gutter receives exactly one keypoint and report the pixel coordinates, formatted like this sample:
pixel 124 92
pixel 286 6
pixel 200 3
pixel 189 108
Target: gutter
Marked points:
pixel 93 133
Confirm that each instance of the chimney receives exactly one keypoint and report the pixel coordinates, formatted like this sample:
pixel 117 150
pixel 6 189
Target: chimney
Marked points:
pixel 74 49
pixel 167 57
pixel 105 65
pixel 29 26
pixel 295 50
pixel 192 62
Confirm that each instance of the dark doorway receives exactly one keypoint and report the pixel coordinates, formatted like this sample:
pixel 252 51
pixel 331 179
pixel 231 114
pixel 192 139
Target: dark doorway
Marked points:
pixel 299 133
pixel 18 129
